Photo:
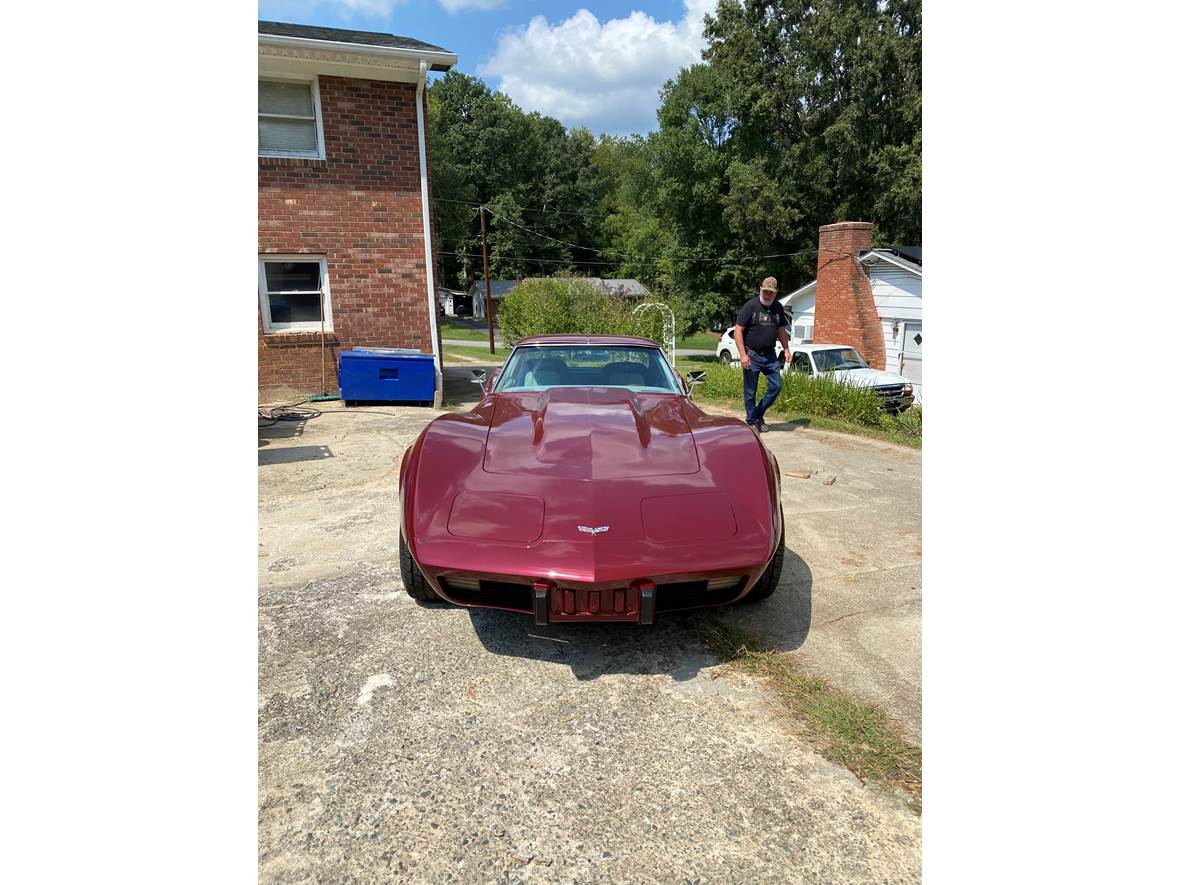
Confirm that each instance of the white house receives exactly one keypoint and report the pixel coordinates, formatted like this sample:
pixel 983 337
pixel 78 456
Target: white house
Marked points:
pixel 500 288
pixel 895 278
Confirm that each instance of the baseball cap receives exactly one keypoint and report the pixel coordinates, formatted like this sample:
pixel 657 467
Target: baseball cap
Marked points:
pixel 770 284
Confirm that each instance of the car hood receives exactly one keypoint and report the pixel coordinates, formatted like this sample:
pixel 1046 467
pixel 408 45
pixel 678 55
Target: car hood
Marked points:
pixel 589 433
pixel 868 377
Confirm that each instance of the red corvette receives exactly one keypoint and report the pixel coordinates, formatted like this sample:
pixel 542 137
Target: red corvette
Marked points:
pixel 587 486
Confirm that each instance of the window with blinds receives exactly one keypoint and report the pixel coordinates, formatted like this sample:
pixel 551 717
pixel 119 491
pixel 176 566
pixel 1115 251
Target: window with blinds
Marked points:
pixel 287 119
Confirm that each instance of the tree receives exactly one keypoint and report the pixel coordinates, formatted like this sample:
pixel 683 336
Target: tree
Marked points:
pixel 801 114
pixel 537 180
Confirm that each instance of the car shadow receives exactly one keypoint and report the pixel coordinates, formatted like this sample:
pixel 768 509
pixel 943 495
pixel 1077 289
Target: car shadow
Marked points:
pixel 782 622
pixel 670 646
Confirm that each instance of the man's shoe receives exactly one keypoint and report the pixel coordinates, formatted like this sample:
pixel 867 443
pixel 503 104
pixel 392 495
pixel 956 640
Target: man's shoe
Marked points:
pixel 762 427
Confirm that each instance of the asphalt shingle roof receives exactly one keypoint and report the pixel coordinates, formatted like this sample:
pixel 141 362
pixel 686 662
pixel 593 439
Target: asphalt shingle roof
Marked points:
pixel 341 35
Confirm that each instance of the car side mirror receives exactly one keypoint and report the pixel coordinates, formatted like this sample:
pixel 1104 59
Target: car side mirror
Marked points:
pixel 694 379
pixel 480 377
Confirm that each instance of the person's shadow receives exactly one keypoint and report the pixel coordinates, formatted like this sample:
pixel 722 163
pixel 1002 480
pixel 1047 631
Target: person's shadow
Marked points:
pixel 669 646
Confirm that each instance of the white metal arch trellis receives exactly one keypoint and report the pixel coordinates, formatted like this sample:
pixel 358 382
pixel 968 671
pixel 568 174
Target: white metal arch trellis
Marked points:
pixel 668 329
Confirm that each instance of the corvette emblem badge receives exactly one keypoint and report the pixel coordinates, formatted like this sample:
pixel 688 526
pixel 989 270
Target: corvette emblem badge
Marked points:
pixel 593 531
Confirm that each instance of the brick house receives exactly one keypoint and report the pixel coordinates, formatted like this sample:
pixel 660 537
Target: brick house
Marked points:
pixel 345 239
pixel 869 298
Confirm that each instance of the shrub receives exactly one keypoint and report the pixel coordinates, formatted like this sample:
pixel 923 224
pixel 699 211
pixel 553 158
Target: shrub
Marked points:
pixel 821 396
pixel 574 307
pixel 829 398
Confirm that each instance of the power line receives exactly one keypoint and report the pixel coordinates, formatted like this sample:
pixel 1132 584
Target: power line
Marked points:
pixel 643 258
pixel 547 211
pixel 624 259
pixel 545 236
pixel 539 260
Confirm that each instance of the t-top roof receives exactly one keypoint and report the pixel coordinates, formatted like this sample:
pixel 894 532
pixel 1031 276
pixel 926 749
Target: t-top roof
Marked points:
pixel 341 35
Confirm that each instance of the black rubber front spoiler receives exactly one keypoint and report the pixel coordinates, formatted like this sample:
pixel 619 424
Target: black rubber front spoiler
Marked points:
pixel 647 604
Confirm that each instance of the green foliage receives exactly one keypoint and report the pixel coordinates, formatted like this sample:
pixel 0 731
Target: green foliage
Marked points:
pixel 810 395
pixel 571 306
pixel 525 168
pixel 802 113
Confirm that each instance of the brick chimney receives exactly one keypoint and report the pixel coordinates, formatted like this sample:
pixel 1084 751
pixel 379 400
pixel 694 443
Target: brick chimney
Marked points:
pixel 845 312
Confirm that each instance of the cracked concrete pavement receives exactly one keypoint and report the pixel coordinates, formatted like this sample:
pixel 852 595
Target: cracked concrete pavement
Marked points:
pixel 400 742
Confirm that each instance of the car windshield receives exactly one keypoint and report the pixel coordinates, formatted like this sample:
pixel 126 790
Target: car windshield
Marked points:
pixel 534 367
pixel 834 360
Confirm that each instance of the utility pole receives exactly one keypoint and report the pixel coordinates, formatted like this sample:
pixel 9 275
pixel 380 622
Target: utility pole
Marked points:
pixel 487 283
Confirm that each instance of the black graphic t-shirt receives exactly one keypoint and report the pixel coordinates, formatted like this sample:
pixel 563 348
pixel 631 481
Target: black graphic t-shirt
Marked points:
pixel 760 325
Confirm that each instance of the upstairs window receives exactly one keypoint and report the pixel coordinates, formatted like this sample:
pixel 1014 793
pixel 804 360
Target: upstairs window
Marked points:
pixel 291 290
pixel 289 119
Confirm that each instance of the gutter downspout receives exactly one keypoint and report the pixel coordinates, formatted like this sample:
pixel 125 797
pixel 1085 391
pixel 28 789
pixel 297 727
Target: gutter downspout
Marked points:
pixel 432 298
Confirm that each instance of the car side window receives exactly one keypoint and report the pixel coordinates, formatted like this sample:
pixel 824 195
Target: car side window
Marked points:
pixel 801 363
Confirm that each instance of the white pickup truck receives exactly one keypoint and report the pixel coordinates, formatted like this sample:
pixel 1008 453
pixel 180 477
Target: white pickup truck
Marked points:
pixel 727 351
pixel 844 363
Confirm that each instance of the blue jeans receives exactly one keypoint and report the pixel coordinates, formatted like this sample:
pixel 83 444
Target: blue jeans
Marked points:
pixel 761 365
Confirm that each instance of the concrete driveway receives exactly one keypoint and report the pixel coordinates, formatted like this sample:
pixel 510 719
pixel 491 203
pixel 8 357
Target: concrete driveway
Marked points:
pixel 429 743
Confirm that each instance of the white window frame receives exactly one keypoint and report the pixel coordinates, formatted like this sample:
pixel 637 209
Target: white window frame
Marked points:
pixel 314 81
pixel 270 327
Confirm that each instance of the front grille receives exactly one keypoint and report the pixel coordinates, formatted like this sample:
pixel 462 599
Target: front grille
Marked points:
pixel 564 601
pixel 692 594
pixel 497 593
pixel 889 391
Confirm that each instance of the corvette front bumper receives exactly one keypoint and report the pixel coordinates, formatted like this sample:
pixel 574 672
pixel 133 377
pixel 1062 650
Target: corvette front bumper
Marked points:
pixel 550 602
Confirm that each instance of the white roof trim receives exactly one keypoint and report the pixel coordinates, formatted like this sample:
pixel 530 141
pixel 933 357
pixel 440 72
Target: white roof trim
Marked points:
pixel 892 259
pixel 884 256
pixel 388 52
pixel 802 290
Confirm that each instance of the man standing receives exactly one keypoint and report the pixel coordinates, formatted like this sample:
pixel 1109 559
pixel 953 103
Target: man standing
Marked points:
pixel 760 323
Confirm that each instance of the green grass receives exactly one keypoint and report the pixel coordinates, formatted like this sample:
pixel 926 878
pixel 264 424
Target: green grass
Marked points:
pixel 844 729
pixel 816 402
pixel 699 341
pixel 450 328
pixel 459 355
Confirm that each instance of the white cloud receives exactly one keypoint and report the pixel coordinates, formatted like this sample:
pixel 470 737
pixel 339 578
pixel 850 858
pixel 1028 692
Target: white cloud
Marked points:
pixel 457 5
pixel 604 75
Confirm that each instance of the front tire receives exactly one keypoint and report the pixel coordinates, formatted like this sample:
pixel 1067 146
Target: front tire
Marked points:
pixel 768 583
pixel 412 578
pixel 726 358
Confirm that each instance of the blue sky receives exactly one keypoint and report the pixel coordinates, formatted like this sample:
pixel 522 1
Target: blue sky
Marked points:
pixel 594 64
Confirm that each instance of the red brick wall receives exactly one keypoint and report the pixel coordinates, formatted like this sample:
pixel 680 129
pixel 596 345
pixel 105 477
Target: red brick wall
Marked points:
pixel 362 208
pixel 845 312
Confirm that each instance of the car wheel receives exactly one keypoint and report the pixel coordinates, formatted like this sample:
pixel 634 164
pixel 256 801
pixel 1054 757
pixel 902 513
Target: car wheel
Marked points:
pixel 725 357
pixel 413 580
pixel 768 583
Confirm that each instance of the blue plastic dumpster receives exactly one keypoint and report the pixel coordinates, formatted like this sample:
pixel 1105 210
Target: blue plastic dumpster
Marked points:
pixel 386 375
